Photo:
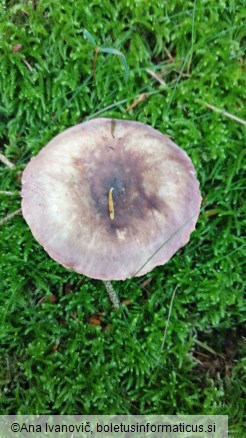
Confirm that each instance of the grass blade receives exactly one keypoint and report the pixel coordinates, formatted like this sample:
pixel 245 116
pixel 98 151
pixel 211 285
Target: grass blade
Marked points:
pixel 118 53
pixel 90 38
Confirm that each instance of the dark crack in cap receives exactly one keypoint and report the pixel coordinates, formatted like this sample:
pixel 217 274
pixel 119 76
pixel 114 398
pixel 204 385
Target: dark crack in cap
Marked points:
pixel 111 199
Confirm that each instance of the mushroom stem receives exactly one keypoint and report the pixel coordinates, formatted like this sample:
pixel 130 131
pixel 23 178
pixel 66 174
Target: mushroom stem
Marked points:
pixel 112 294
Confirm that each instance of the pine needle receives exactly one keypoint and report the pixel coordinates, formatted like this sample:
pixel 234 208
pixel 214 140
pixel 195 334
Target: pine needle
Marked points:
pixel 10 216
pixel 225 113
pixel 6 161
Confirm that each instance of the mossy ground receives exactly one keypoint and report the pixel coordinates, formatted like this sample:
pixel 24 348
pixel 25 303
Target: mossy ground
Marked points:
pixel 63 348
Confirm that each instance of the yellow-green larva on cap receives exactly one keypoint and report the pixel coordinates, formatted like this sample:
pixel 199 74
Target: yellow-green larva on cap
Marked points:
pixel 111 203
pixel 111 199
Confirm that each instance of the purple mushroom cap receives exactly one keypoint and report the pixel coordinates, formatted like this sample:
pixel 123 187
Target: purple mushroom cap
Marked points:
pixel 70 186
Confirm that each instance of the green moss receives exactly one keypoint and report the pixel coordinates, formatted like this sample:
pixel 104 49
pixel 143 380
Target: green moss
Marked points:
pixel 53 359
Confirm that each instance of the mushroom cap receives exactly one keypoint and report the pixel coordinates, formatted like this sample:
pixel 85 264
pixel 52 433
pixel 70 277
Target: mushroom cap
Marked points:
pixel 156 198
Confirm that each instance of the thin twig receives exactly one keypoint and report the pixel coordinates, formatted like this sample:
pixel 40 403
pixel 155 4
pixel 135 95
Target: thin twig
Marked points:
pixel 96 52
pixel 202 354
pixel 197 360
pixel 155 76
pixel 146 282
pixel 225 113
pixel 9 216
pixel 184 75
pixel 121 102
pixel 27 65
pixel 207 348
pixel 4 192
pixel 140 98
pixel 168 54
pixel 6 161
pixel 112 294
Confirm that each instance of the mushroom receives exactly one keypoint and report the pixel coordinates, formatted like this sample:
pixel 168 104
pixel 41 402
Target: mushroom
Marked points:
pixel 111 199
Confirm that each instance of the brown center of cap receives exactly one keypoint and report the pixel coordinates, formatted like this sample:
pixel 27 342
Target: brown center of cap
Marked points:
pixel 123 171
